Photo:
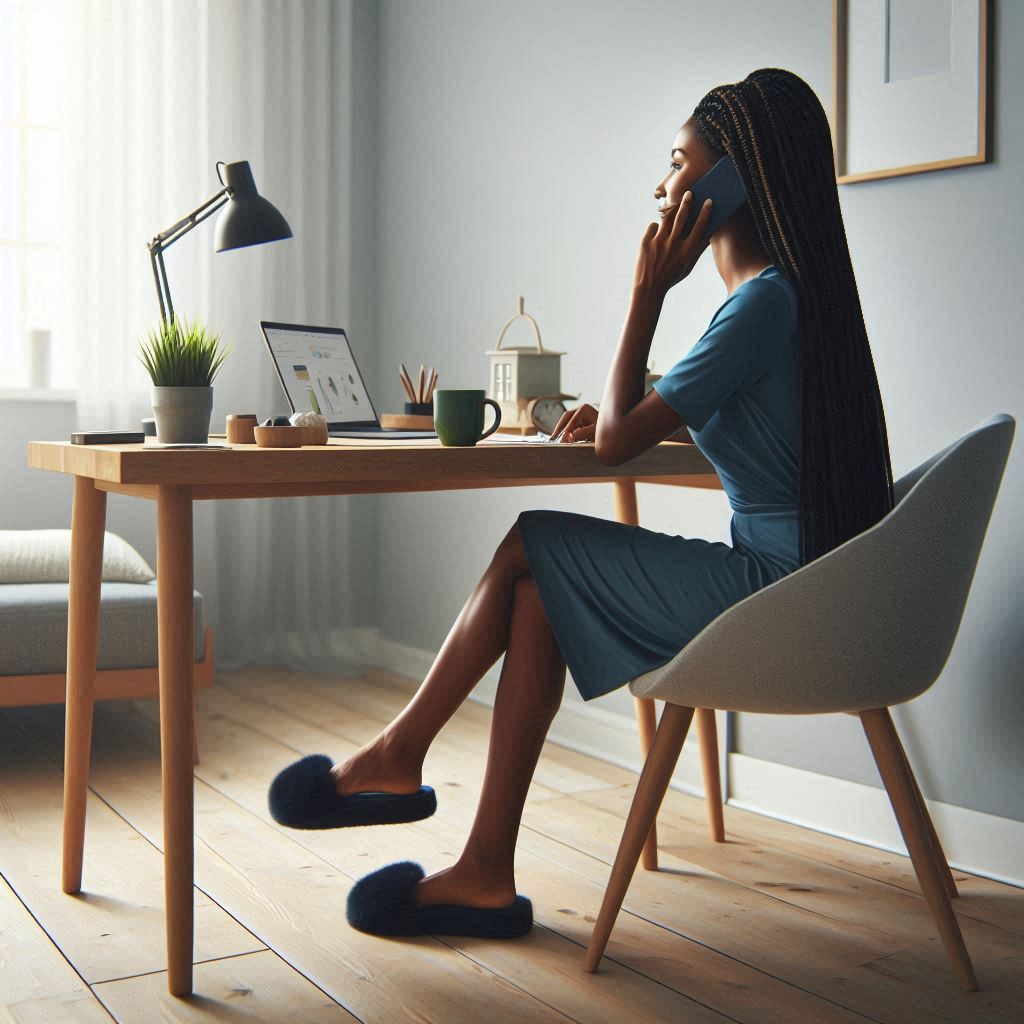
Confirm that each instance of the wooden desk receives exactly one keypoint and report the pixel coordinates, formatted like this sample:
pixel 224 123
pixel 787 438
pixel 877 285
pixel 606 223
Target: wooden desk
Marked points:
pixel 174 479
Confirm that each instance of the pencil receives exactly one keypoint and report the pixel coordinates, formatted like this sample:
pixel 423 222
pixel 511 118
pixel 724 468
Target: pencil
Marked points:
pixel 408 381
pixel 420 391
pixel 405 385
pixel 432 384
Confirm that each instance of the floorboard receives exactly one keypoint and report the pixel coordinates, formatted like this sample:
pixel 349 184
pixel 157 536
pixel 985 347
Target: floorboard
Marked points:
pixel 779 924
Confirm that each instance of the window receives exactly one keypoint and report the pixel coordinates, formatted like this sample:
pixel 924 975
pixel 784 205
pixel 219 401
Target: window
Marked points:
pixel 32 54
pixel 503 382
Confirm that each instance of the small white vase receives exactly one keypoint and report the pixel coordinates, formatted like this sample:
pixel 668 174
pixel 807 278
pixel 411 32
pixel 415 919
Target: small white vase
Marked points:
pixel 182 414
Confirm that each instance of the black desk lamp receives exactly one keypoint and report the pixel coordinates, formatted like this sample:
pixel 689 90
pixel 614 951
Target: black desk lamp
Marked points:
pixel 248 220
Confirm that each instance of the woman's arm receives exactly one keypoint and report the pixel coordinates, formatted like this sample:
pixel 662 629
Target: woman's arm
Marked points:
pixel 630 422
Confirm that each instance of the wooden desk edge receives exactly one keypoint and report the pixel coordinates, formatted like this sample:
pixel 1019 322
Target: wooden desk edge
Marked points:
pixel 515 467
pixel 214 492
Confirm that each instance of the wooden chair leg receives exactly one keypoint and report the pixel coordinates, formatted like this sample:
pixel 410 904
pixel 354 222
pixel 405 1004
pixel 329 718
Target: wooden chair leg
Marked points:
pixel 88 521
pixel 707 737
pixel 647 723
pixel 650 791
pixel 899 782
pixel 947 876
pixel 627 511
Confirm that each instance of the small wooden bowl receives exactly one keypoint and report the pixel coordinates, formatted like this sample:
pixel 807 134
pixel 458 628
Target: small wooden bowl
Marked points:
pixel 316 434
pixel 278 437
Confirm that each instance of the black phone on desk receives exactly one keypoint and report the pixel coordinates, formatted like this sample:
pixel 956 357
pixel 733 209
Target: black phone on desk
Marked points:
pixel 724 186
pixel 108 437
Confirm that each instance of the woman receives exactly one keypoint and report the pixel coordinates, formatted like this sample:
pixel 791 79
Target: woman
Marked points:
pixel 779 393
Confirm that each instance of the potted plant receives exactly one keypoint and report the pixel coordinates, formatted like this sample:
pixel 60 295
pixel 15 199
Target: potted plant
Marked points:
pixel 182 358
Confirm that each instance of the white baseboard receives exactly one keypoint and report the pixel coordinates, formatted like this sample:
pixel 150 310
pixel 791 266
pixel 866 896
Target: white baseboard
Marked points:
pixel 981 844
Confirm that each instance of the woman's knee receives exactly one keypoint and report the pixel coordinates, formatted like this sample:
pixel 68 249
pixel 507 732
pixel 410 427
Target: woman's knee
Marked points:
pixel 510 555
pixel 526 599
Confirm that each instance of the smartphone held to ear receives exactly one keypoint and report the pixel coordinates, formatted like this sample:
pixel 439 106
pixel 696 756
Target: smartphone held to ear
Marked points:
pixel 723 185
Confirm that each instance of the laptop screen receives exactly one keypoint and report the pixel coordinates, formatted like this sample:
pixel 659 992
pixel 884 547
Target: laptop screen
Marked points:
pixel 318 372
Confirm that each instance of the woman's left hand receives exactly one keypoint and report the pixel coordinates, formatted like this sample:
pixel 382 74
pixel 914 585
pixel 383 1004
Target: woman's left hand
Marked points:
pixel 666 255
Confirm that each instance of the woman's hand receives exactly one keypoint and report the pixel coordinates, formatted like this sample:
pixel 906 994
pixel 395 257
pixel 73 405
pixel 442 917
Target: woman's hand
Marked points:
pixel 666 255
pixel 578 424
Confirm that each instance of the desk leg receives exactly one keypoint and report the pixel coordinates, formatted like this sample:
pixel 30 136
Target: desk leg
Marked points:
pixel 176 650
pixel 88 521
pixel 646 713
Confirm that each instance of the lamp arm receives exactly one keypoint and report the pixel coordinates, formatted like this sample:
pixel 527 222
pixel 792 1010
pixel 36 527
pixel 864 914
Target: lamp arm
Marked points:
pixel 167 238
pixel 163 289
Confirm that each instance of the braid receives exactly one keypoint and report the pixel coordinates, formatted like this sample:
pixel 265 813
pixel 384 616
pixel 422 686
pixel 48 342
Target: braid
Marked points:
pixel 773 126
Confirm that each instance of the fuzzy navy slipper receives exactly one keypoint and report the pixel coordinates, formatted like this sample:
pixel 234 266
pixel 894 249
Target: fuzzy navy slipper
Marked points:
pixel 303 796
pixel 384 903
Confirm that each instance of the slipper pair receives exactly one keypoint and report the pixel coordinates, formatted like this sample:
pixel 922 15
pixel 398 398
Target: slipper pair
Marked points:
pixel 384 903
pixel 303 795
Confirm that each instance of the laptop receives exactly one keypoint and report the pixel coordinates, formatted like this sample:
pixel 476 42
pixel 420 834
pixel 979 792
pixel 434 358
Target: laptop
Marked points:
pixel 318 373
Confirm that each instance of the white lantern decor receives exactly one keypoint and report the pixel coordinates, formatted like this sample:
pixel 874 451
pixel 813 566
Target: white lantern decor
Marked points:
pixel 520 375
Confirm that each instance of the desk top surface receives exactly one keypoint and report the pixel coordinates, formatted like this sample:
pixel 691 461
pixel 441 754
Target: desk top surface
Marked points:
pixel 352 460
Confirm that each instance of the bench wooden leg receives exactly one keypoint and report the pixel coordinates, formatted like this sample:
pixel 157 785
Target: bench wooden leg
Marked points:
pixel 88 522
pixel 195 719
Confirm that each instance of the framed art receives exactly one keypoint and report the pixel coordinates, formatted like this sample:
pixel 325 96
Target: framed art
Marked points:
pixel 910 82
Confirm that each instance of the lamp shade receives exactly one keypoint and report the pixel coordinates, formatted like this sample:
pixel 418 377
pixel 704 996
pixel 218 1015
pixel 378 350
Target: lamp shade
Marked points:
pixel 248 219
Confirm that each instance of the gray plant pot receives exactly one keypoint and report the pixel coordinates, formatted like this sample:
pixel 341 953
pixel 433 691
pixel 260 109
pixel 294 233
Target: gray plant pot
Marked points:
pixel 182 414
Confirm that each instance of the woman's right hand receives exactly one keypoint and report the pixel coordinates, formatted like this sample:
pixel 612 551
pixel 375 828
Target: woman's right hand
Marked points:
pixel 578 424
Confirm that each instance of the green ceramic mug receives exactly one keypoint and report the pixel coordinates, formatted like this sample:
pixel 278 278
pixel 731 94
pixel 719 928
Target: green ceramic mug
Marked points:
pixel 459 416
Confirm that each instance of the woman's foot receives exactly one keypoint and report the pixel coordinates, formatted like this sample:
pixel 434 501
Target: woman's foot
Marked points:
pixel 375 768
pixel 464 888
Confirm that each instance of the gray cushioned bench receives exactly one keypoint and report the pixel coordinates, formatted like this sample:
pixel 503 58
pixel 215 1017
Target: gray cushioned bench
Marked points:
pixel 34 566
pixel 34 627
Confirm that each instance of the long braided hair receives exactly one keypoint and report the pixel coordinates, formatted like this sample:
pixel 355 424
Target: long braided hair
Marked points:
pixel 773 126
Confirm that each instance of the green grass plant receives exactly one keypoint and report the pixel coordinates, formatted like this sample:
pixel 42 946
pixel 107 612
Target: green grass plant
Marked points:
pixel 182 354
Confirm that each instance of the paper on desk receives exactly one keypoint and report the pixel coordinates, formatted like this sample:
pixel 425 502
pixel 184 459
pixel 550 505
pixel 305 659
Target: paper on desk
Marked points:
pixel 526 439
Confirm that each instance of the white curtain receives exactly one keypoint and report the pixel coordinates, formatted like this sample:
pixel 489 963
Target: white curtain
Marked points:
pixel 160 90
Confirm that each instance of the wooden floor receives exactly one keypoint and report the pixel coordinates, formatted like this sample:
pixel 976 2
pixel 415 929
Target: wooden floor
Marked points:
pixel 779 924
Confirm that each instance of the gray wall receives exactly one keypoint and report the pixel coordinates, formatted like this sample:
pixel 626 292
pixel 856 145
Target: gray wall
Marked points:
pixel 519 145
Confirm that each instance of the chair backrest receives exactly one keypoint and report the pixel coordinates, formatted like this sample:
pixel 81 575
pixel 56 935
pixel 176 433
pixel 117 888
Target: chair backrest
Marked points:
pixel 870 623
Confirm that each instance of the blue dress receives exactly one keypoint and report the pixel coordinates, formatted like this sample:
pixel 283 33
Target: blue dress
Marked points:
pixel 621 599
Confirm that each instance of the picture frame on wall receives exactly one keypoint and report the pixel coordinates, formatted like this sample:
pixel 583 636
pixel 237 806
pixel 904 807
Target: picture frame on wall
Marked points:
pixel 911 88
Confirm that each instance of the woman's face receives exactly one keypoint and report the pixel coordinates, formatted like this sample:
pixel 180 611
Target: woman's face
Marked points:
pixel 689 161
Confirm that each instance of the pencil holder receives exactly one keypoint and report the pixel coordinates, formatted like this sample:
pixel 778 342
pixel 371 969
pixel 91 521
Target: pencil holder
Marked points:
pixel 419 408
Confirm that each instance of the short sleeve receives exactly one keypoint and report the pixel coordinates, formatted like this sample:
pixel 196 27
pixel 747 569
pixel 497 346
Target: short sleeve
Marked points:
pixel 743 341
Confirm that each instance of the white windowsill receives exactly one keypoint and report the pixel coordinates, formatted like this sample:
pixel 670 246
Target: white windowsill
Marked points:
pixel 37 395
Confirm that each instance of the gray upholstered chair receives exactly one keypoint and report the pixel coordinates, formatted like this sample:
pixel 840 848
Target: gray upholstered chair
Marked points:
pixel 868 625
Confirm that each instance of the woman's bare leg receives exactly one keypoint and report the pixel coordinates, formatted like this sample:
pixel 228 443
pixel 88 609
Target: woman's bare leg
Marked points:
pixel 392 761
pixel 504 613
pixel 529 695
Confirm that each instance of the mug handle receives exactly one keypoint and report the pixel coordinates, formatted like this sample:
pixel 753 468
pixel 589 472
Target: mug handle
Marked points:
pixel 497 418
